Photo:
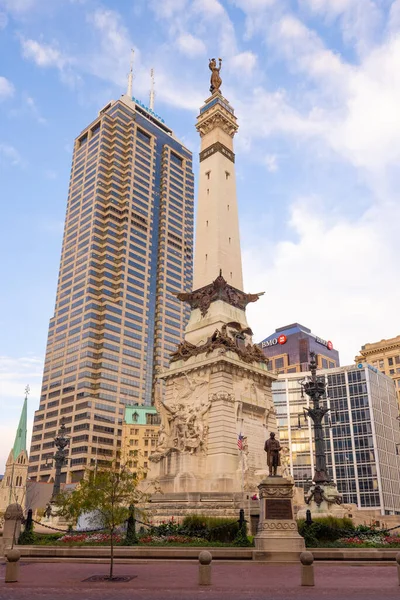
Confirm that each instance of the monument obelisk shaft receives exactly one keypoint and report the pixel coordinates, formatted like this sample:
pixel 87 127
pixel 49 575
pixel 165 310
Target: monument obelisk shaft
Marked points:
pixel 217 248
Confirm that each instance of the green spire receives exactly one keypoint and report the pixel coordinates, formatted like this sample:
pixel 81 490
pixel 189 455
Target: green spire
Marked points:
pixel 20 437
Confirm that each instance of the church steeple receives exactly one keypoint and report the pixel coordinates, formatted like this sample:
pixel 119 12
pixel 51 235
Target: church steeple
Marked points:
pixel 20 436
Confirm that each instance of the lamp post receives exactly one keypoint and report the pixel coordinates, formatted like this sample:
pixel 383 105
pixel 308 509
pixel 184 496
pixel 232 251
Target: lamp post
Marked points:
pixel 60 458
pixel 315 388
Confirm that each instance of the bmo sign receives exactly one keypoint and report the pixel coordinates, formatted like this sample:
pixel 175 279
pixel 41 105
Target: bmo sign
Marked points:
pixel 327 344
pixel 282 339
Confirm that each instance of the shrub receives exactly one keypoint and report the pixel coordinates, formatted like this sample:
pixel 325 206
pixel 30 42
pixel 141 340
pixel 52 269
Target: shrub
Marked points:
pixel 214 529
pixel 325 529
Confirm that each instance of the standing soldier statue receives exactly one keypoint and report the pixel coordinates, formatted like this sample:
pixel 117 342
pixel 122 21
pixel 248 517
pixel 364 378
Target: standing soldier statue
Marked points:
pixel 272 447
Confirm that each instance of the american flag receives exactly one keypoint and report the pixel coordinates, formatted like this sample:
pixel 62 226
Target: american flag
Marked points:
pixel 240 441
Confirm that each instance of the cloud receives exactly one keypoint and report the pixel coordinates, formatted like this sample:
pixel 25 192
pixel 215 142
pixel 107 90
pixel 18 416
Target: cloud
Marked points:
pixel 43 55
pixel 6 88
pixel 360 20
pixel 31 104
pixel 18 6
pixel 271 162
pixel 168 8
pixel 190 45
pixel 244 62
pixel 9 155
pixel 330 279
pixel 3 20
pixel 28 108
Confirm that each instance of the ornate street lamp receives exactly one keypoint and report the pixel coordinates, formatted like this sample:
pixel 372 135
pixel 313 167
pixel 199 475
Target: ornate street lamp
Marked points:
pixel 322 496
pixel 61 442
pixel 315 388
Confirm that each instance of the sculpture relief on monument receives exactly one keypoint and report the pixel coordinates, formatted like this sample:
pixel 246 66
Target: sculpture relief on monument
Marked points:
pixel 217 384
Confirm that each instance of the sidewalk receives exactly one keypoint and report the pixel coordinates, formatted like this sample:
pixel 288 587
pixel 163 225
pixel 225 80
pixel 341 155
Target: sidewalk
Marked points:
pixel 178 580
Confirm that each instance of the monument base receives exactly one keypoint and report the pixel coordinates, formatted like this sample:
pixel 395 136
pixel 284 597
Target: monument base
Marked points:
pixel 54 519
pixel 277 539
pixel 163 507
pixel 323 500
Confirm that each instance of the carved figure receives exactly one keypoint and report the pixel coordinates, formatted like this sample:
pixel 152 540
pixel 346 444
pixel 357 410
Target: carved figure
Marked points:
pixel 215 80
pixel 285 462
pixel 186 428
pixel 162 440
pixel 219 340
pixel 327 493
pixel 272 447
pixel 245 454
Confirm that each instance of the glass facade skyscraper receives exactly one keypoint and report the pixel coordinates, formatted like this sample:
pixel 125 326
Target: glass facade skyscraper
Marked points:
pixel 361 433
pixel 127 249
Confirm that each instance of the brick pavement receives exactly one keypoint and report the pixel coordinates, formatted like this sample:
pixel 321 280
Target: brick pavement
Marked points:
pixel 178 580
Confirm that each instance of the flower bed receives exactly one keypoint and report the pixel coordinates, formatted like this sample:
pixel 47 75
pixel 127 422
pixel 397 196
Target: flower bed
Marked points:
pixel 376 540
pixel 93 539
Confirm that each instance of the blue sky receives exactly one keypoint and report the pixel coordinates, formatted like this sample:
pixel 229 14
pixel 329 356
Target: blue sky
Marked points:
pixel 316 88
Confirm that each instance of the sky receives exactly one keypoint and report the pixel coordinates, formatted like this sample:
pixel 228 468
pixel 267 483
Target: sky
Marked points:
pixel 316 88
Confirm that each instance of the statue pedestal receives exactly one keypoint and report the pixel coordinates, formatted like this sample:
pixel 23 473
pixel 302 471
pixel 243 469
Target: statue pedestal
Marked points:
pixel 277 538
pixel 323 500
pixel 55 519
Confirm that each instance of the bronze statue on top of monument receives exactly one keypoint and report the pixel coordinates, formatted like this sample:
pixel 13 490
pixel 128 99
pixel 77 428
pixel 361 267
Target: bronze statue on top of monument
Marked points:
pixel 215 80
pixel 272 447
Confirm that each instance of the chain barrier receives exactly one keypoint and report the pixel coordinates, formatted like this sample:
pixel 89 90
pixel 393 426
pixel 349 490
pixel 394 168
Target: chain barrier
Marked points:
pixel 70 531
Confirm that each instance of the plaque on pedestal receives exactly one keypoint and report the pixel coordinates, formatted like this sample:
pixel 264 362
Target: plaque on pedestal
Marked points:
pixel 277 538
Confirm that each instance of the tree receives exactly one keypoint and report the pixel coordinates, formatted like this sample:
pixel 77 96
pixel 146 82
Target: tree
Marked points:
pixel 109 494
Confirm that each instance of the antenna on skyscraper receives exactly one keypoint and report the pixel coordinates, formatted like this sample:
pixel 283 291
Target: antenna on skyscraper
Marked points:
pixel 130 76
pixel 152 91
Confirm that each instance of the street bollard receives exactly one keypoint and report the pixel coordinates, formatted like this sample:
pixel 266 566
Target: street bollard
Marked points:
pixel 307 568
pixel 398 566
pixel 12 565
pixel 205 559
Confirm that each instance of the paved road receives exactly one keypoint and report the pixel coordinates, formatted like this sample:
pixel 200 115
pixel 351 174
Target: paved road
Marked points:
pixel 178 581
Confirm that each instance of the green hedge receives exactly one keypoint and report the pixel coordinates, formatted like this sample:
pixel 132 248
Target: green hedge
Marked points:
pixel 213 529
pixel 325 529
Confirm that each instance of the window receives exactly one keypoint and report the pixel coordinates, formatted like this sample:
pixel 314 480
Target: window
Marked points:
pixel 208 173
pixel 390 361
pixel 142 135
pixel 176 159
pixel 279 363
pixel 227 175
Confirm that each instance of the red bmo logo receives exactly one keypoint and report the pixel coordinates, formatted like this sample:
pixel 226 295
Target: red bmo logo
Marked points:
pixel 282 339
pixel 329 345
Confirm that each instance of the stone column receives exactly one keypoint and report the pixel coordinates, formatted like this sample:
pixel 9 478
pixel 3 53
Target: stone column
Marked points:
pixel 12 525
pixel 277 539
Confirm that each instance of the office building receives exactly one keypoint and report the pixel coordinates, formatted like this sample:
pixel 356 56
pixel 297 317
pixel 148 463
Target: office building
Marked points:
pixel 139 437
pixel 127 249
pixel 288 350
pixel 385 356
pixel 362 434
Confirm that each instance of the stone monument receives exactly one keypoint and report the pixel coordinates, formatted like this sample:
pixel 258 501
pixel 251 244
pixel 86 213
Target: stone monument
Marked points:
pixel 217 385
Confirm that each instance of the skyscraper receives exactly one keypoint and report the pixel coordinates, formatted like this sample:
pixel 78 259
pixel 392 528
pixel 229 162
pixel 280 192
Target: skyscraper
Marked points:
pixel 288 350
pixel 127 249
pixel 361 433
